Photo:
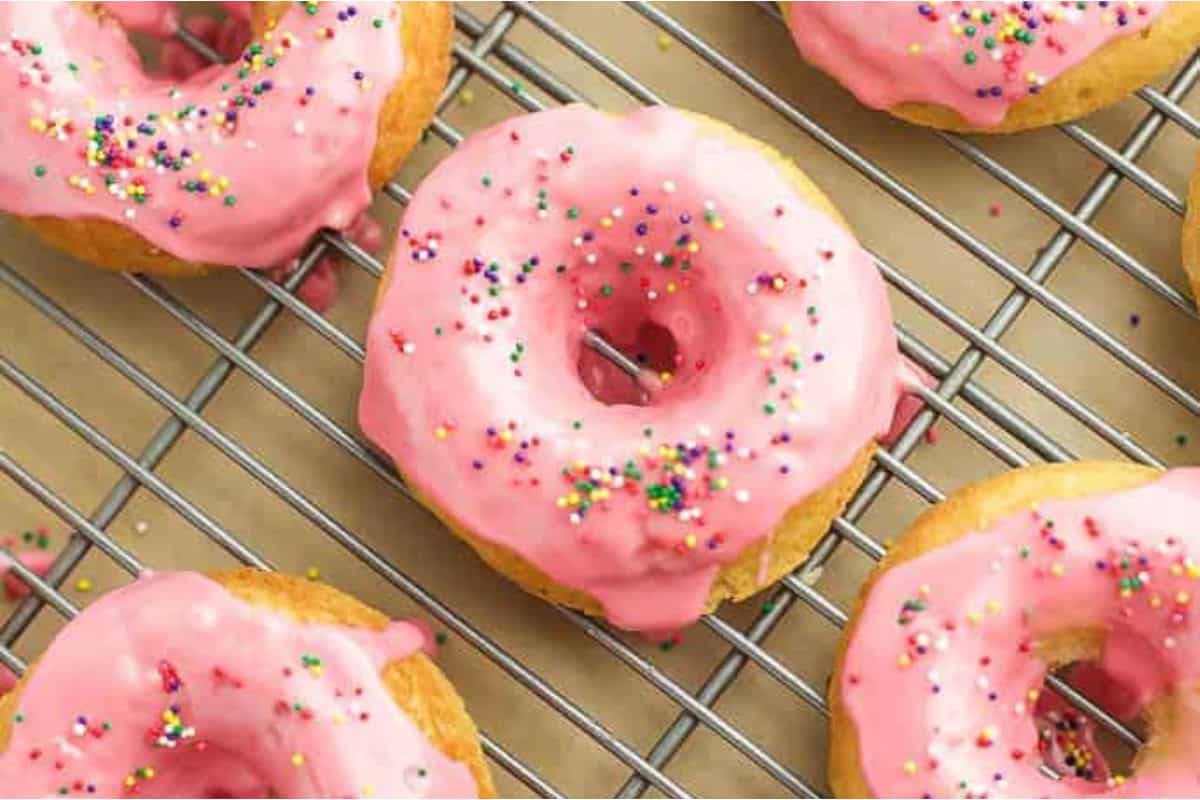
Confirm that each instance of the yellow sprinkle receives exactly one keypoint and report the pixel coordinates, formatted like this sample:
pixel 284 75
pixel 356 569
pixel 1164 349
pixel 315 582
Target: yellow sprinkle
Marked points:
pixel 83 585
pixel 786 329
pixel 1155 601
pixel 338 718
pixel 797 403
pixel 718 224
pixel 606 222
pixel 763 337
pixel 573 499
pixel 924 590
pixel 129 780
pixel 440 432
pixel 904 660
pixel 974 617
pixel 214 192
pixel 910 767
pixel 993 606
pixel 693 247
pixel 663 41
pixel 313 573
pixel 764 352
pixel 316 670
pixel 368 790
pixel 1193 571
pixel 1033 695
pixel 1183 598
pixel 466 97
pixel 206 175
pixel 298 759
pixel 149 772
pixel 914 49
pixel 1057 570
pixel 580 465
pixel 690 540
pixel 956 30
pixel 1176 570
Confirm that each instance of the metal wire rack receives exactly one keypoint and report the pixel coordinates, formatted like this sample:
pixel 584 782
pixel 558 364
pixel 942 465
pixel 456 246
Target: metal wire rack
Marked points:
pixel 484 51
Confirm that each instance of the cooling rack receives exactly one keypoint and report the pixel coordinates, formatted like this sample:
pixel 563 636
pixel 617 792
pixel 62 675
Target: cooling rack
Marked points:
pixel 1009 432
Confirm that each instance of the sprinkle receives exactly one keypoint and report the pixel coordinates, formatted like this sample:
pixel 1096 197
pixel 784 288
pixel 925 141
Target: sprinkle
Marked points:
pixel 312 573
pixel 663 41
pixel 83 585
pixel 298 759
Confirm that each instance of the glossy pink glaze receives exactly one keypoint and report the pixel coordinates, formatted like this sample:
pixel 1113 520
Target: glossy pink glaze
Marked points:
pixel 291 161
pixel 938 675
pixel 892 53
pixel 473 375
pixel 266 706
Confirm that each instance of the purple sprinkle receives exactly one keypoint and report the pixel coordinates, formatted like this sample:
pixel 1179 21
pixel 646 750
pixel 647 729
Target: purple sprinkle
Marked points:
pixel 651 208
pixel 642 229
pixel 818 357
pixel 1135 319
pixel 477 464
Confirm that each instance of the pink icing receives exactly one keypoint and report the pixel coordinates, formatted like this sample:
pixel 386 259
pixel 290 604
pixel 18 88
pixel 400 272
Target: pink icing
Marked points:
pixel 172 687
pixel 288 161
pixel 37 560
pixel 892 53
pixel 784 363
pixel 939 674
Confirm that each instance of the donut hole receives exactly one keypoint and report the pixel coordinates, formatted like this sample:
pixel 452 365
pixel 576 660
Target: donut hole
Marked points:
pixel 168 56
pixel 1073 744
pixel 651 344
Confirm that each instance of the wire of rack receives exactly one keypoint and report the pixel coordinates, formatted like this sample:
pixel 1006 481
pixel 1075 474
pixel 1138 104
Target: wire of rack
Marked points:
pixel 487 47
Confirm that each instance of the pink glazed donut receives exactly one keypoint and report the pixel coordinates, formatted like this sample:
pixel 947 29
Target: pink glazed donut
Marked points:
pixel 993 66
pixel 235 165
pixel 938 689
pixel 239 684
pixel 769 358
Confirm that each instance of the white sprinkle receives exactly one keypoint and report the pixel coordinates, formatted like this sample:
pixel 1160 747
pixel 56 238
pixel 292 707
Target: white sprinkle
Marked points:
pixel 617 212
pixel 742 496
pixel 298 127
pixel 590 258
pixel 640 250
pixel 752 287
pixel 130 213
pixel 651 295
pixel 141 527
pixel 668 186
pixel 703 430
pixel 409 348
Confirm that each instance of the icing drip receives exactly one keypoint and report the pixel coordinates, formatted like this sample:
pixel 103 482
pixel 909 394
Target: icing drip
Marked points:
pixel 977 58
pixel 172 687
pixel 237 164
pixel 780 364
pixel 942 677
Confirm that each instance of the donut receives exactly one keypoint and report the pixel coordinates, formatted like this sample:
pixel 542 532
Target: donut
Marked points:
pixel 938 685
pixel 238 165
pixel 763 327
pixel 238 684
pixel 992 67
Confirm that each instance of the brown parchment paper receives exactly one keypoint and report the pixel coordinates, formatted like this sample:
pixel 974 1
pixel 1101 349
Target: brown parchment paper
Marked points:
pixel 536 634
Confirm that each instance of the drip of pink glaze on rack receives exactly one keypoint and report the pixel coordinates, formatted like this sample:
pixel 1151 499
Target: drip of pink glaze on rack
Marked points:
pixel 237 165
pixel 942 677
pixel 7 680
pixel 976 58
pixel 781 362
pixel 319 289
pixel 173 687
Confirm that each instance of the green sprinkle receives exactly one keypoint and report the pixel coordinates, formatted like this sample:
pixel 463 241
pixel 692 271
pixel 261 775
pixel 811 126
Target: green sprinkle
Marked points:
pixel 668 261
pixel 769 408
pixel 647 432
pixel 768 607
pixel 989 43
pixel 969 57
pixel 378 23
pixel 440 637
pixel 667 645
pixel 577 424
pixel 18 718
pixel 606 290
pixel 1181 440
pixel 437 330
pixel 626 267
pixel 486 180
pixel 970 30
pixel 572 213
pixel 517 87
pixel 311 8
pixel 36 49
pixel 39 171
pixel 230 200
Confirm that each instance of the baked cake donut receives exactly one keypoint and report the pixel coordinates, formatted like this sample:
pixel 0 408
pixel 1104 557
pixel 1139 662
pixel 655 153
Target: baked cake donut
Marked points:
pixel 769 355
pixel 993 66
pixel 242 684
pixel 238 165
pixel 938 688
